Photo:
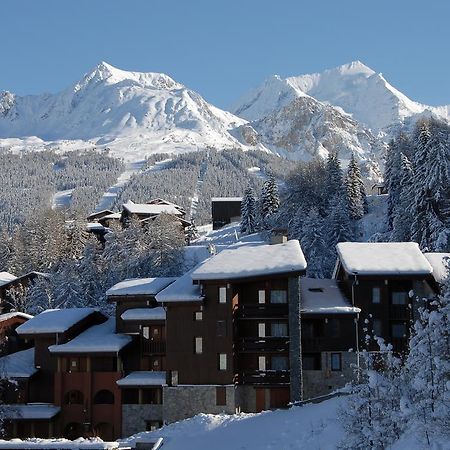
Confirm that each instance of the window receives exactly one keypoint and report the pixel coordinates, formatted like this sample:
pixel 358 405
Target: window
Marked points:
pixel 222 294
pixel 262 363
pixel 198 345
pixel 74 365
pixel 151 396
pixel 279 363
pixel 278 296
pixel 221 396
pixel 278 329
pixel 222 361
pixel 130 396
pixel 399 298
pixel 152 425
pixel 261 297
pixel 146 332
pixel 311 361
pixel 336 361
pixel 376 295
pixel 221 328
pixel 377 327
pixel 198 315
pixel 73 398
pixel 261 329
pixel 104 397
pixel 398 330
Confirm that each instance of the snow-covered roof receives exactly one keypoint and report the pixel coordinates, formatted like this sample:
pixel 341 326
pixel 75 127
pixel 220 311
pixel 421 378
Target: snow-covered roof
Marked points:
pixel 181 290
pixel 383 258
pixel 116 215
pixel 158 313
pixel 43 411
pixel 143 378
pixel 18 365
pixel 144 208
pixel 95 226
pixel 103 212
pixel 54 321
pixel 323 296
pixel 11 315
pixel 97 339
pixel 440 262
pixel 139 286
pixel 252 260
pixel 226 199
pixel 6 277
pixel 94 443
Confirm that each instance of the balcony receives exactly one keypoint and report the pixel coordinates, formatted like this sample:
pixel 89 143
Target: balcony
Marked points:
pixel 270 344
pixel 260 311
pixel 399 312
pixel 264 377
pixel 149 347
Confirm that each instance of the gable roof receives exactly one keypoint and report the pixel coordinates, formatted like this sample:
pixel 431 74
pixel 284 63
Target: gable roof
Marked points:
pixel 383 258
pixel 54 321
pixel 252 260
pixel 96 339
pixel 18 365
pixel 323 296
pixel 6 277
pixel 151 209
pixel 139 286
pixel 440 262
pixel 182 289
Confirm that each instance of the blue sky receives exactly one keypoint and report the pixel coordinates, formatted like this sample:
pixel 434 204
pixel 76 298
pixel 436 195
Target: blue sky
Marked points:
pixel 223 48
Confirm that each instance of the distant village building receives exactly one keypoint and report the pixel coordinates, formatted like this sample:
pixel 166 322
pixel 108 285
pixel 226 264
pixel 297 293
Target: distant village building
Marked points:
pixel 99 222
pixel 225 210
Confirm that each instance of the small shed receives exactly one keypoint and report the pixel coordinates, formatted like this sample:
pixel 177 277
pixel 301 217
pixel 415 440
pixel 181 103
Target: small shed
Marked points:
pixel 225 210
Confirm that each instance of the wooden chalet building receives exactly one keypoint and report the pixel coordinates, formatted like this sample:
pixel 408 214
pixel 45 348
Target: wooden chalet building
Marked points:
pixel 99 222
pixel 383 280
pixel 244 330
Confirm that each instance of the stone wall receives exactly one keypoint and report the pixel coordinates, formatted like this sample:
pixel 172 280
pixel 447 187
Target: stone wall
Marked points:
pixel 134 417
pixel 295 360
pixel 324 381
pixel 184 401
pixel 246 398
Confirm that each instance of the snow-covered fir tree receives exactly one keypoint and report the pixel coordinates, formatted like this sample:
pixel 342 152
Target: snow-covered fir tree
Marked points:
pixel 248 212
pixel 401 230
pixel 314 244
pixel 270 200
pixel 356 194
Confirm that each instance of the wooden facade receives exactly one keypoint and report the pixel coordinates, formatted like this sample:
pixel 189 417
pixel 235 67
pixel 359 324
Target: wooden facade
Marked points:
pixel 225 211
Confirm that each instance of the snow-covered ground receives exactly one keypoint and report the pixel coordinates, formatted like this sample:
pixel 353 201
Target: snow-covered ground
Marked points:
pixel 374 222
pixel 311 427
pixel 62 199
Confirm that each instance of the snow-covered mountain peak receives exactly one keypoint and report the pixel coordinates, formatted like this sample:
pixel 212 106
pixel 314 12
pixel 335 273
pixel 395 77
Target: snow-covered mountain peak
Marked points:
pixel 109 74
pixel 355 88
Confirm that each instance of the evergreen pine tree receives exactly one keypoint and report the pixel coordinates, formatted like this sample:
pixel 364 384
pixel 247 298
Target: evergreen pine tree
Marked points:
pixel 270 200
pixel 248 212
pixel 401 230
pixel 356 195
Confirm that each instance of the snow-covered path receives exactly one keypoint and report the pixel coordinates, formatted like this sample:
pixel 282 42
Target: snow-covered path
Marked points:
pixel 62 199
pixel 198 189
pixel 108 198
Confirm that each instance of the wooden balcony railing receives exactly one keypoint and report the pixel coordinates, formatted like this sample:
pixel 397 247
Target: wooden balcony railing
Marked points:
pixel 256 311
pixel 262 344
pixel 263 377
pixel 153 347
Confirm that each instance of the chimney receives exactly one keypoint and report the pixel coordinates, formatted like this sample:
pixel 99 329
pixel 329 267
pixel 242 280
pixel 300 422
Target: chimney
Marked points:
pixel 278 236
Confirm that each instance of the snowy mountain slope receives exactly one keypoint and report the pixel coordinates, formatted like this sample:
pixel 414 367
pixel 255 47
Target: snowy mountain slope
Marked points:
pixel 305 128
pixel 355 88
pixel 131 113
